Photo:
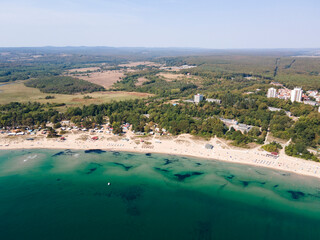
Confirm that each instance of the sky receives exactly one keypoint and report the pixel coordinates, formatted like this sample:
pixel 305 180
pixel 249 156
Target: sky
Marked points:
pixel 216 24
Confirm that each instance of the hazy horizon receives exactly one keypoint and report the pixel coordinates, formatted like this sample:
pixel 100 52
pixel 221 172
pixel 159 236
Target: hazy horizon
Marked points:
pixel 161 24
pixel 172 47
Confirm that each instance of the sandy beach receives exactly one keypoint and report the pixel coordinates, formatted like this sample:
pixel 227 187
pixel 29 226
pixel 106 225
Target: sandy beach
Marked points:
pixel 185 144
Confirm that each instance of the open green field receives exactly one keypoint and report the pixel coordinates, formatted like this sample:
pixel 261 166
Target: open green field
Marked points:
pixel 18 92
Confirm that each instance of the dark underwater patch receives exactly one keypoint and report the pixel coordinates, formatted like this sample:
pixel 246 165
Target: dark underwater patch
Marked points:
pixel 148 154
pixel 275 186
pixel 102 194
pixel 98 151
pixel 58 179
pixel 182 177
pixel 223 186
pixel 198 164
pixel 314 195
pixel 91 170
pixel 127 168
pixel 296 194
pixel 26 151
pixel 168 161
pixel 58 154
pixel 97 164
pixel 131 193
pixel 203 230
pixel 115 153
pixel 260 173
pixel 93 167
pixel 161 170
pixel 133 211
pixel 67 152
pixel 245 183
pixel 230 177
pixel 285 174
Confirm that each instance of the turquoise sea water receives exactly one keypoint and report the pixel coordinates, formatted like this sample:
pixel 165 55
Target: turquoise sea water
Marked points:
pixel 52 194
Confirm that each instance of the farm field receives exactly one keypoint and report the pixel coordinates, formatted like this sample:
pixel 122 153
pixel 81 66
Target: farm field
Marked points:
pixel 106 78
pixel 172 76
pixel 18 92
pixel 102 78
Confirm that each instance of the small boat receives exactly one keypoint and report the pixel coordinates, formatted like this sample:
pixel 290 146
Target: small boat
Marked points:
pixel 109 183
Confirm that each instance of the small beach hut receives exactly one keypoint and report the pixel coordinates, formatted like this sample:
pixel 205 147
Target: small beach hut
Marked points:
pixel 208 146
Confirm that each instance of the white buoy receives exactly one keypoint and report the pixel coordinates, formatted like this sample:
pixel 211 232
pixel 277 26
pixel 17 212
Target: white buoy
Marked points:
pixel 109 183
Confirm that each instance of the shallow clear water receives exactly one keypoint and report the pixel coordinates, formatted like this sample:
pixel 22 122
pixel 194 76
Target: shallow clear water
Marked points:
pixel 52 194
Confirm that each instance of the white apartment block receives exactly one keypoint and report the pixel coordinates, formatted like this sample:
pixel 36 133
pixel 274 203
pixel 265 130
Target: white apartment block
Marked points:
pixel 296 95
pixel 272 93
pixel 198 98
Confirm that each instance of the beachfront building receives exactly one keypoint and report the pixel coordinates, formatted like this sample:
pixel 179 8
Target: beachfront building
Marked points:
pixel 189 101
pixel 284 93
pixel 273 109
pixel 312 93
pixel 243 127
pixel 276 84
pixel 272 93
pixel 296 95
pixel 236 125
pixel 229 122
pixel 213 100
pixel 208 146
pixel 312 103
pixel 198 98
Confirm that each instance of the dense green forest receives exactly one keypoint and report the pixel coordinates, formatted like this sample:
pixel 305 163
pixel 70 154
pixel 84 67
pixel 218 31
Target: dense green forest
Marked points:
pixel 272 147
pixel 201 120
pixel 63 85
pixel 155 85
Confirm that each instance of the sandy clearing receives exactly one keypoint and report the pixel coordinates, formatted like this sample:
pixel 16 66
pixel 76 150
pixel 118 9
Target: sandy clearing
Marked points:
pixel 103 78
pixel 172 76
pixel 141 80
pixel 135 64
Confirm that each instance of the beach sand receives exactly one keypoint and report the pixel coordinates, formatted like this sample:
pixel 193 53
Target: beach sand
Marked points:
pixel 184 144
